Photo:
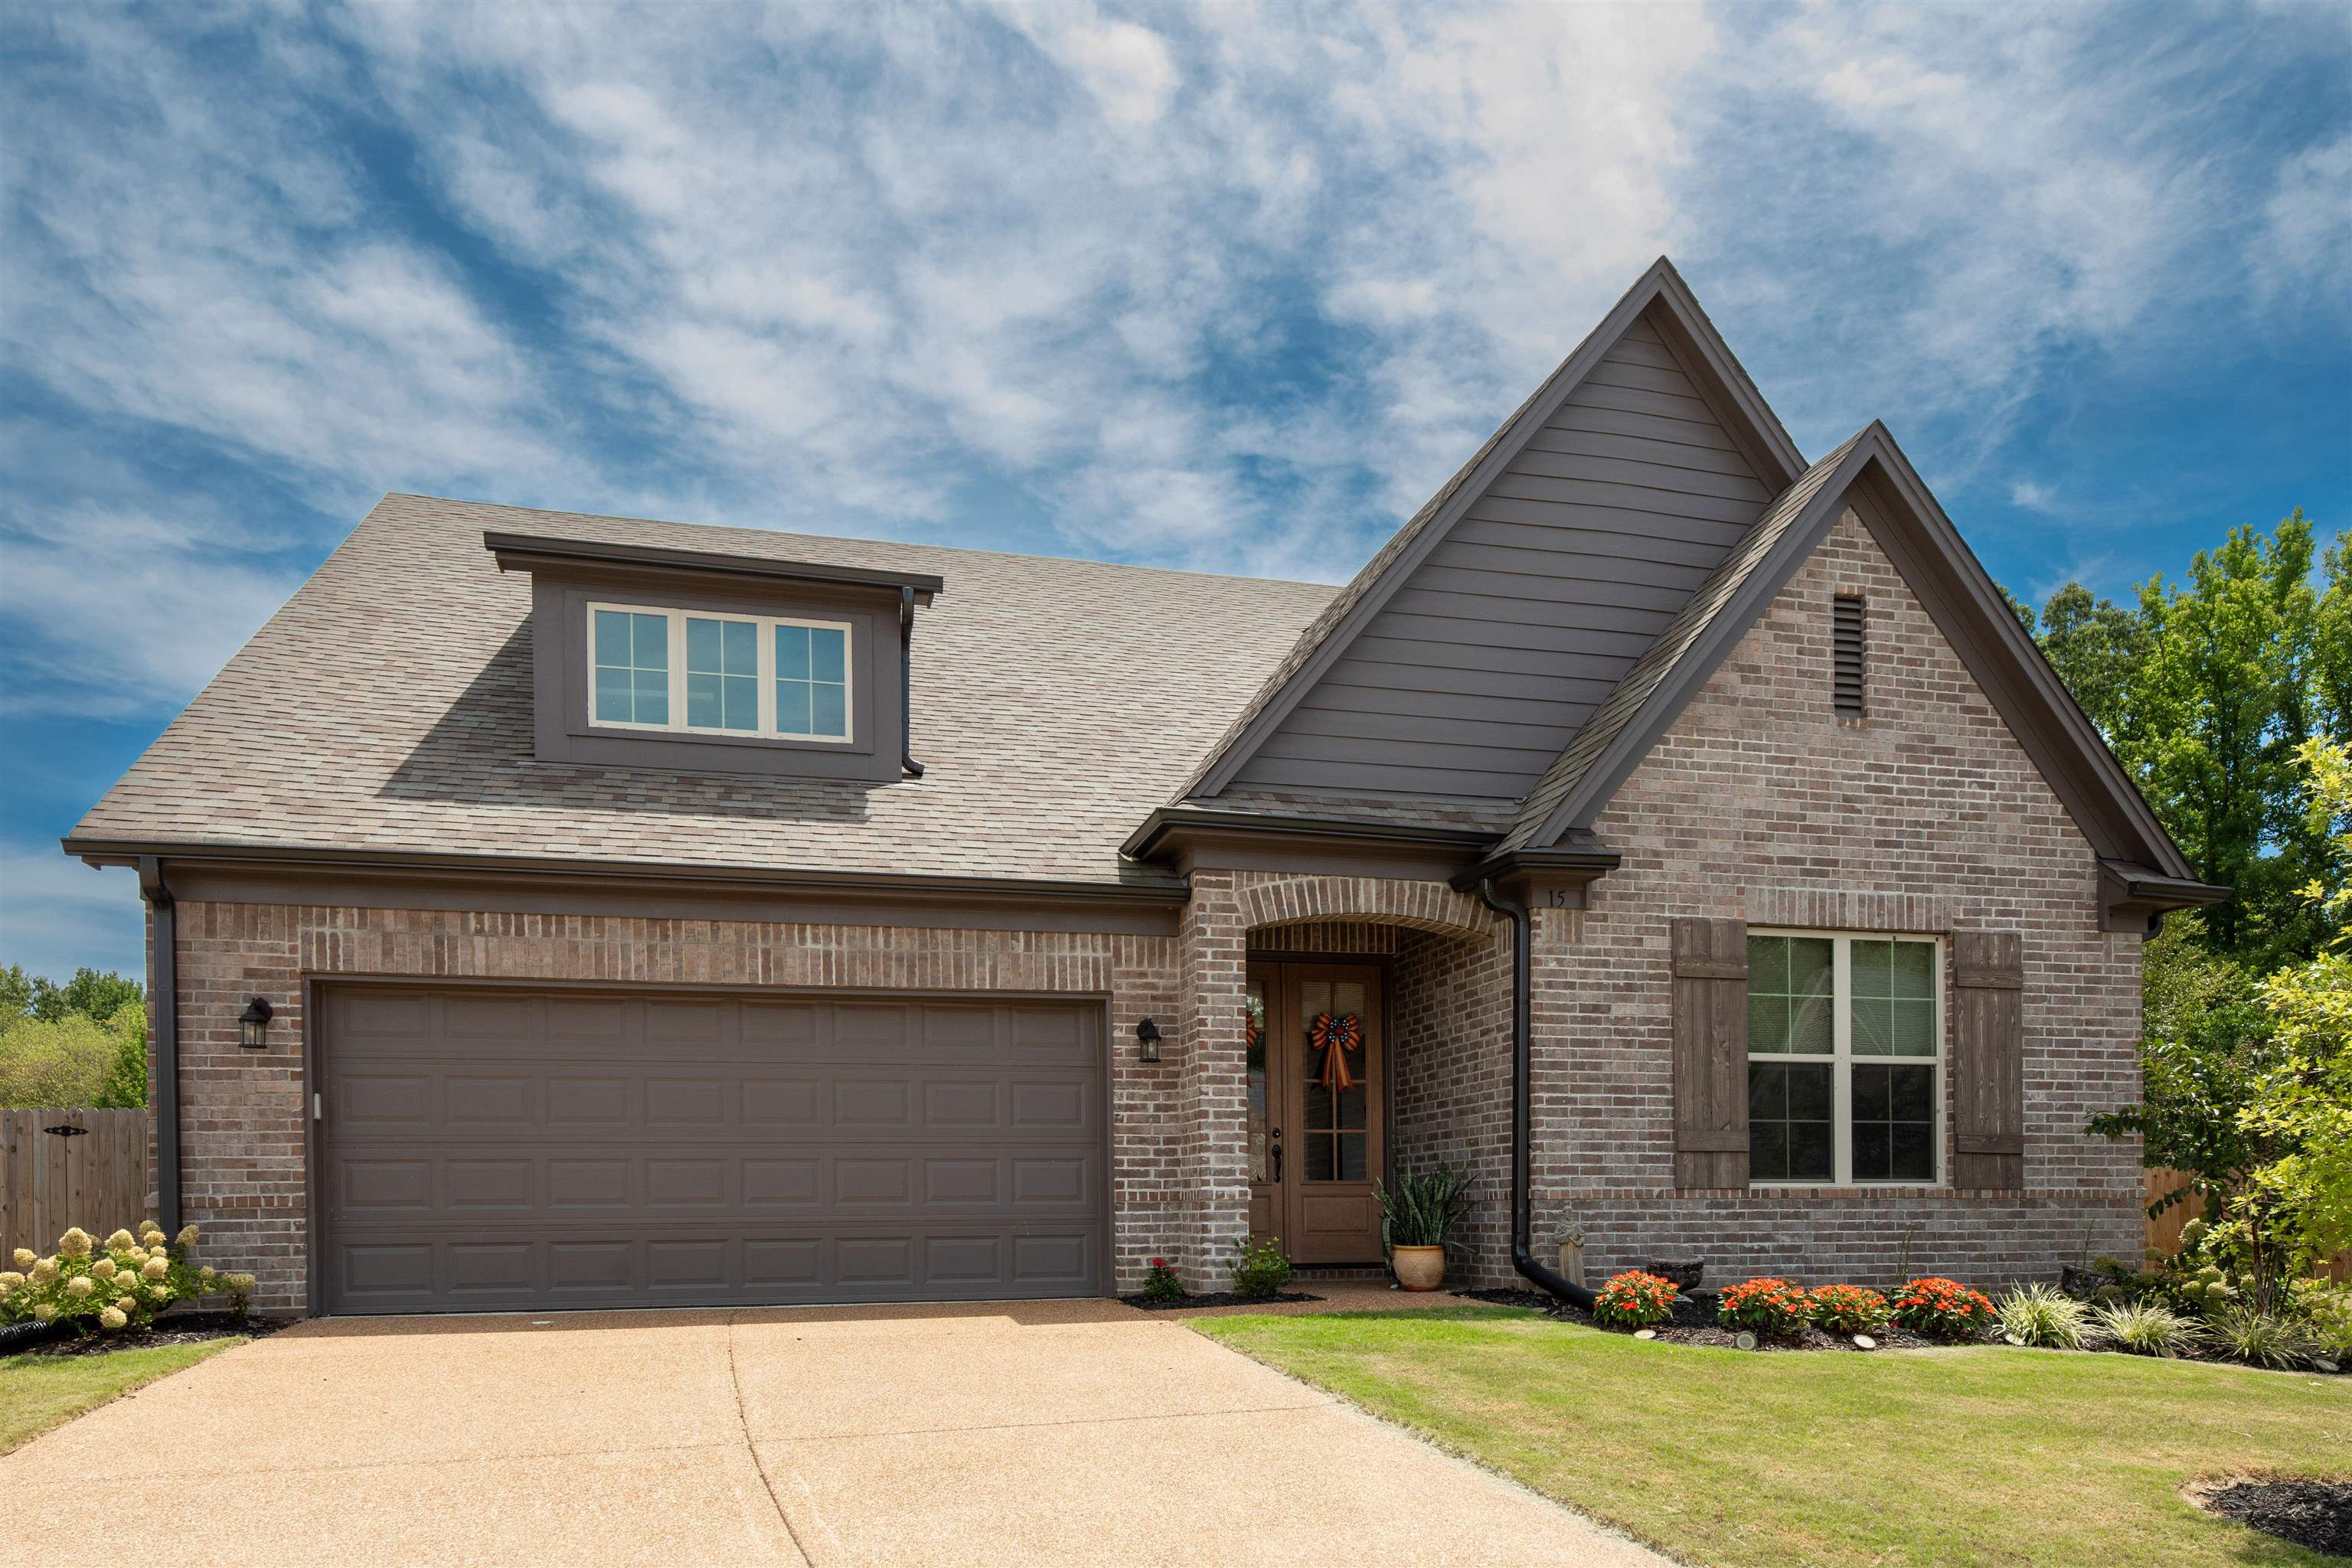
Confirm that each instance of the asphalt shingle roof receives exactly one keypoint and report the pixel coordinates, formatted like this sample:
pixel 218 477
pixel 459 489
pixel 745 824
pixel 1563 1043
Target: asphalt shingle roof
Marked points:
pixel 388 706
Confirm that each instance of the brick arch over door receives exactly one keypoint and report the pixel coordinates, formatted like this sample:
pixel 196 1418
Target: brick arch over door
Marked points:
pixel 1418 906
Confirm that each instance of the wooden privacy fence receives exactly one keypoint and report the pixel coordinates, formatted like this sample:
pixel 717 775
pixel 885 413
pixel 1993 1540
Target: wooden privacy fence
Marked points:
pixel 95 1177
pixel 2164 1229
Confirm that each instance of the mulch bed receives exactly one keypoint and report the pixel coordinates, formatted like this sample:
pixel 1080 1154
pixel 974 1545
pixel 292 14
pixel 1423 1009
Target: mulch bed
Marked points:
pixel 174 1328
pixel 1214 1299
pixel 2316 1515
pixel 1694 1324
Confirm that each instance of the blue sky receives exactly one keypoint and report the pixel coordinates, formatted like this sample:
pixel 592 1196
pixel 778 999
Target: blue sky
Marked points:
pixel 1230 287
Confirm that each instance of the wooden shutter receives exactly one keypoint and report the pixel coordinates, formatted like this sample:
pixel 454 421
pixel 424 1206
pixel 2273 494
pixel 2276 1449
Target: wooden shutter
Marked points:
pixel 1988 1060
pixel 1711 965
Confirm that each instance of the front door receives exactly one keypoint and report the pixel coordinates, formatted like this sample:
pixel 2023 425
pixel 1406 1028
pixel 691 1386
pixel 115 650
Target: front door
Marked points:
pixel 1317 1066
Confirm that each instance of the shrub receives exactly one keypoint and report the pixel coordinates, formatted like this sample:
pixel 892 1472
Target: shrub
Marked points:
pixel 2259 1338
pixel 1634 1300
pixel 118 1284
pixel 1260 1268
pixel 2206 1290
pixel 1942 1308
pixel 2143 1328
pixel 1849 1309
pixel 1421 1208
pixel 2042 1315
pixel 1768 1306
pixel 75 1060
pixel 2327 1309
pixel 1162 1284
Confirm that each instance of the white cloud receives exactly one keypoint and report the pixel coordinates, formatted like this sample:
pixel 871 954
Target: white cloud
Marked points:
pixel 1226 285
pixel 58 914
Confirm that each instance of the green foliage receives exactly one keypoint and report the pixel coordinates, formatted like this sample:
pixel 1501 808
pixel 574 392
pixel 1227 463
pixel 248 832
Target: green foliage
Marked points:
pixel 89 994
pixel 1162 1284
pixel 1422 1206
pixel 74 1061
pixel 1260 1268
pixel 2327 1310
pixel 81 1044
pixel 2304 1110
pixel 1767 1306
pixel 2205 689
pixel 2042 1315
pixel 2259 1337
pixel 2143 1328
pixel 115 1286
pixel 1634 1300
pixel 1849 1309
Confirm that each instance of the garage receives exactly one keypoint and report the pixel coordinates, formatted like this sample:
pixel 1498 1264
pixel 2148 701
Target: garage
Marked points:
pixel 484 1149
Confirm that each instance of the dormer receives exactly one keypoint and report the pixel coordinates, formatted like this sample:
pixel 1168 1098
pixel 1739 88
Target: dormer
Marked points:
pixel 654 658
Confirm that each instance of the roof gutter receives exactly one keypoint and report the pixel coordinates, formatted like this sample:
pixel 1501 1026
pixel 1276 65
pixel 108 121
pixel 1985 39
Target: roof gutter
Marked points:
pixel 122 852
pixel 163 1028
pixel 1522 1055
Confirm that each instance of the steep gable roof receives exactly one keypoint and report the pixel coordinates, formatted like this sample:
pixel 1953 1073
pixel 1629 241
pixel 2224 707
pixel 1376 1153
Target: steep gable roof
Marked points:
pixel 1659 297
pixel 1870 474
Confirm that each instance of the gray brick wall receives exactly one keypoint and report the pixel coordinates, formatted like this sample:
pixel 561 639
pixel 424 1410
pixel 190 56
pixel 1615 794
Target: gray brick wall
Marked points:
pixel 241 1111
pixel 1925 816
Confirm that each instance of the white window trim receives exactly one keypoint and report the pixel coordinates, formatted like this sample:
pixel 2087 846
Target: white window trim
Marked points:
pixel 765 638
pixel 1842 1061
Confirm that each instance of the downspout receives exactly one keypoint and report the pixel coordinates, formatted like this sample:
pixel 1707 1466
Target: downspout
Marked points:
pixel 1522 1055
pixel 163 1028
pixel 906 683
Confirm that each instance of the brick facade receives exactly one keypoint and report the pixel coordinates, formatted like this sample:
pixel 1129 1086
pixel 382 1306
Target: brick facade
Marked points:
pixel 1924 815
pixel 242 1112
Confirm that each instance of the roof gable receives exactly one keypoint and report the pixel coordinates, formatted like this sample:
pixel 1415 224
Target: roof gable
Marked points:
pixel 1480 639
pixel 1869 474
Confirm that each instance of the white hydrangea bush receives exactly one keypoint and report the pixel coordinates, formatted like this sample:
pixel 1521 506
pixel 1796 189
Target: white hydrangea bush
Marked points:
pixel 117 1285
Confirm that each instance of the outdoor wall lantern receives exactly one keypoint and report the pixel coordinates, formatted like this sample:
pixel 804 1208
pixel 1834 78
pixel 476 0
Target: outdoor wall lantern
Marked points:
pixel 1147 1034
pixel 253 1025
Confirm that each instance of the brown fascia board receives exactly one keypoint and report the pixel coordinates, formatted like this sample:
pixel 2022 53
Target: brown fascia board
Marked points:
pixel 1168 825
pixel 1160 890
pixel 2065 747
pixel 1584 860
pixel 1701 343
pixel 531 552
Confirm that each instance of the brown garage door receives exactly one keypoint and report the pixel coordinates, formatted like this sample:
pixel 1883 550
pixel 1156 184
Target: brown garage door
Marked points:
pixel 485 1150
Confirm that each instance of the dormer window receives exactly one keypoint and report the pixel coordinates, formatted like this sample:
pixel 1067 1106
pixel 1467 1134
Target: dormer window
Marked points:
pixel 777 677
pixel 651 657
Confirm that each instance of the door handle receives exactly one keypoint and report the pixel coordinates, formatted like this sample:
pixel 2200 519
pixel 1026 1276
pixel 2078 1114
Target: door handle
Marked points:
pixel 1273 1147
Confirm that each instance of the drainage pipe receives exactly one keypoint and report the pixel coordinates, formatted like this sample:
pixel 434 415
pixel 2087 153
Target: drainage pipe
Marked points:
pixel 1522 1053
pixel 163 1028
pixel 906 683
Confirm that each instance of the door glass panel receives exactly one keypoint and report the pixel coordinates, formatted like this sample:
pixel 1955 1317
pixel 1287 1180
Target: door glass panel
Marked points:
pixel 1336 1095
pixel 1254 1035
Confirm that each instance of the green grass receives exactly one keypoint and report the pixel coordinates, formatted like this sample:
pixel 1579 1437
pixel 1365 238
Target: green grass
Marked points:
pixel 39 1391
pixel 1955 1457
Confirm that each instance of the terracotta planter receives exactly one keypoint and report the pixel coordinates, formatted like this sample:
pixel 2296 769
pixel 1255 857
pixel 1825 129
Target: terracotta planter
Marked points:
pixel 1420 1267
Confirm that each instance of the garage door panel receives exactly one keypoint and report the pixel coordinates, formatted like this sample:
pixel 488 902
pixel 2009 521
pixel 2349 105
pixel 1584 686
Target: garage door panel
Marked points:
pixel 617 1149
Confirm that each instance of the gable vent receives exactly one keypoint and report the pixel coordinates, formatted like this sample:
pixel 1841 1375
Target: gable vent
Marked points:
pixel 1845 651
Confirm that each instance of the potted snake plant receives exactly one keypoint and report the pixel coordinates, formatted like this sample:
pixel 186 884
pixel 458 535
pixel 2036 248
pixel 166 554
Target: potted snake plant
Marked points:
pixel 1416 1211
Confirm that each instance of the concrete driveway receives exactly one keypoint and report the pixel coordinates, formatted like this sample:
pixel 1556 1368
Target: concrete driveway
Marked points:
pixel 1079 1432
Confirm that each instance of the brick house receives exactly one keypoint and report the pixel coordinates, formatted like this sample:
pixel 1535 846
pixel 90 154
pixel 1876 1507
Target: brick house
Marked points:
pixel 549 910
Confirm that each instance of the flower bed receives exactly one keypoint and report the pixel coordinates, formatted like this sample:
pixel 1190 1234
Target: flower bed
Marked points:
pixel 116 1286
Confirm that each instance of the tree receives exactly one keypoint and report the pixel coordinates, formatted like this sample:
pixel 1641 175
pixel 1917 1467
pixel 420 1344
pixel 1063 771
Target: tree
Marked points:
pixel 2097 647
pixel 75 1060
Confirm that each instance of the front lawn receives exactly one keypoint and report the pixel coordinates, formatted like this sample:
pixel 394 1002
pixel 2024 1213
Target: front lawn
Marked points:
pixel 38 1392
pixel 1725 1457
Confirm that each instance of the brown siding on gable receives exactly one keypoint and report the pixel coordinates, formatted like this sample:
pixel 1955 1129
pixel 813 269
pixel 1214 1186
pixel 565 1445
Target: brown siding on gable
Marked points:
pixel 1710 1023
pixel 1485 662
pixel 1988 1060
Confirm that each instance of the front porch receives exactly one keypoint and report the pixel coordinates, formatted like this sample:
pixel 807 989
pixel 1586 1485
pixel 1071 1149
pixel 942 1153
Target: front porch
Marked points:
pixel 1363 1025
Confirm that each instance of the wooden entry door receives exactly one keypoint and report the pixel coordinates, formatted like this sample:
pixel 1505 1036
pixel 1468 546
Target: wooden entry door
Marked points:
pixel 1315 1146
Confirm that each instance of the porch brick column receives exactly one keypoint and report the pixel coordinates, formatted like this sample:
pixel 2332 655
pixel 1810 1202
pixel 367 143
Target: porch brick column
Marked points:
pixel 1213 1094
